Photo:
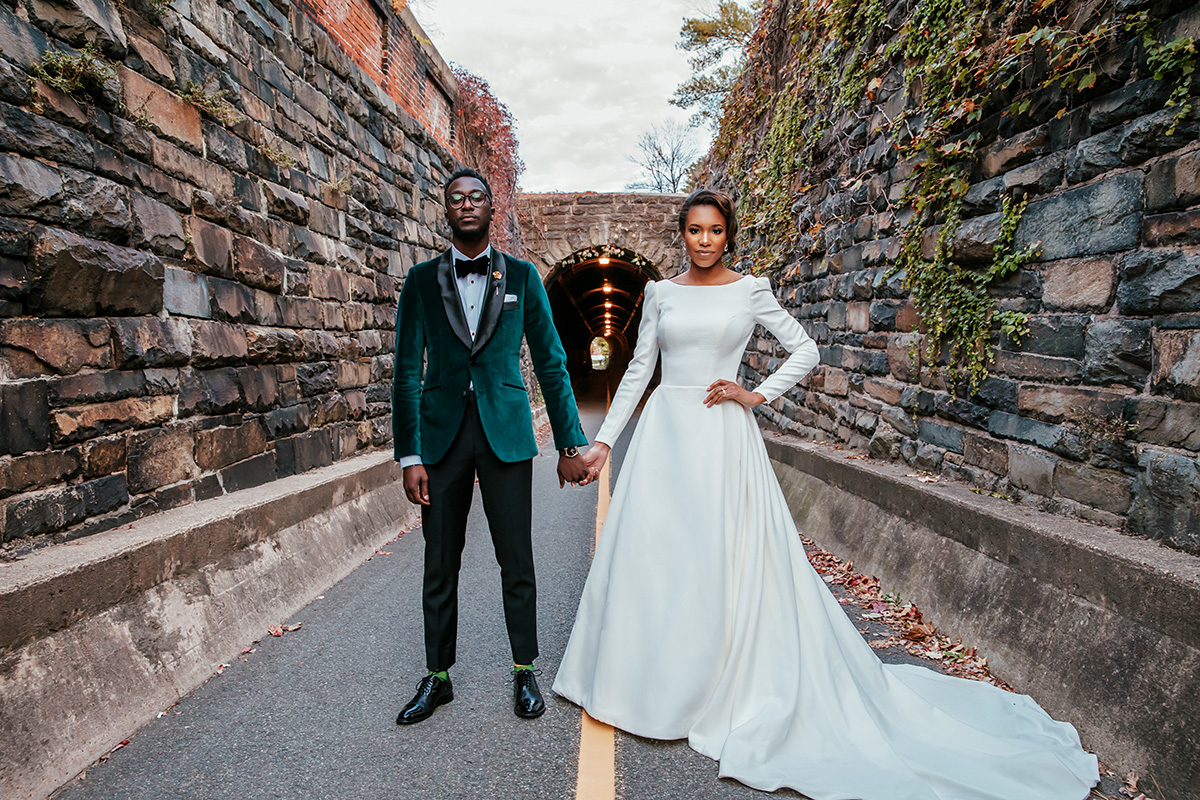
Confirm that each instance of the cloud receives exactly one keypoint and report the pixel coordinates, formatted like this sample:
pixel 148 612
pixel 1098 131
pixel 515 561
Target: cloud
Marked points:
pixel 583 79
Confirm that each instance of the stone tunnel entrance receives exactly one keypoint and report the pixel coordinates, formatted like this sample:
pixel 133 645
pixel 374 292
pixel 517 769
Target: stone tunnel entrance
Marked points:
pixel 596 295
pixel 595 253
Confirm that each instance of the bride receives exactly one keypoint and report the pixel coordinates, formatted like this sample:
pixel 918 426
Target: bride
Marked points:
pixel 702 618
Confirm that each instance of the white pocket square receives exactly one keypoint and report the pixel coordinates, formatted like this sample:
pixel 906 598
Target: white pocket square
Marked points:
pixel 510 298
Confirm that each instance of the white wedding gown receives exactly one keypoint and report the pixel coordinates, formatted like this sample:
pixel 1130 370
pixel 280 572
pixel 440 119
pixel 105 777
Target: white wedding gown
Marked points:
pixel 702 618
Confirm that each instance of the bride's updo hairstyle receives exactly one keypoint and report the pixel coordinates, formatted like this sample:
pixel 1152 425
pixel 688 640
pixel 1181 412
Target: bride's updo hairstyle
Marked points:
pixel 721 202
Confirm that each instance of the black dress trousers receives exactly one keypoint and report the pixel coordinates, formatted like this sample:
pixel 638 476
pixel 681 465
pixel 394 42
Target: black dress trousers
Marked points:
pixel 507 501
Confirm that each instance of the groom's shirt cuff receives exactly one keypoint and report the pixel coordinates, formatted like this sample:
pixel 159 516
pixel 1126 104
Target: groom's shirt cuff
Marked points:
pixel 409 461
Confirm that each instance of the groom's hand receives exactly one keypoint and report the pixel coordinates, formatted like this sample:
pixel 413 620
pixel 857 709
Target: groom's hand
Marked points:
pixel 571 470
pixel 416 484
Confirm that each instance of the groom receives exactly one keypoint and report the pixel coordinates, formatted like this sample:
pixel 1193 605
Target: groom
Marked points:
pixel 466 415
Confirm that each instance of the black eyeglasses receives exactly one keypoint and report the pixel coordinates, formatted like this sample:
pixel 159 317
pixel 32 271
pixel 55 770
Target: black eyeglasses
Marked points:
pixel 456 199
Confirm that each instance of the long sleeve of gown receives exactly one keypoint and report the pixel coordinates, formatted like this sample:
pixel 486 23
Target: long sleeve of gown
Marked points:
pixel 637 374
pixel 804 354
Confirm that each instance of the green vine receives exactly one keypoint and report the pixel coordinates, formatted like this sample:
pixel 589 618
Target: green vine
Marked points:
pixel 1174 60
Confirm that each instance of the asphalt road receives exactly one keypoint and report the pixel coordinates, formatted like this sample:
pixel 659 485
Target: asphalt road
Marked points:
pixel 312 714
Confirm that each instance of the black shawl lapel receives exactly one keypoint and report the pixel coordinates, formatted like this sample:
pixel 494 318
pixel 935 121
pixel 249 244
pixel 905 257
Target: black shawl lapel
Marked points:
pixel 493 301
pixel 450 300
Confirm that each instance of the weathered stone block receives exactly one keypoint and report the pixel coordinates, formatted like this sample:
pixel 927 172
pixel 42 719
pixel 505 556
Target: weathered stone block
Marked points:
pixel 286 203
pixel 37 470
pixel 214 391
pixel 83 21
pixel 1159 282
pixel 304 451
pixel 20 41
pixel 1166 500
pixel 1164 422
pixel 1177 228
pixel 220 447
pixel 252 472
pixel 42 512
pixel 945 437
pixel 225 148
pixel 1039 177
pixel 86 422
pixel 169 113
pixel 963 411
pixel 1099 218
pixel 35 135
pixel 1036 367
pixel 83 277
pixel 27 187
pixel 1099 488
pixel 33 347
pixel 95 206
pixel 1058 335
pixel 1079 284
pixel 256 265
pixel 266 345
pixel 1042 434
pixel 213 246
pixel 1177 364
pixel 103 495
pixel 94 387
pixel 103 456
pixel 286 421
pixel 215 343
pixel 160 457
pixel 232 302
pixel 1032 469
pixel 985 452
pixel 1174 183
pixel 1118 351
pixel 328 283
pixel 1059 403
pixel 259 387
pixel 186 293
pixel 156 226
pixel 355 374
pixel 152 342
pixel 154 58
pixel 975 240
pixel 1021 149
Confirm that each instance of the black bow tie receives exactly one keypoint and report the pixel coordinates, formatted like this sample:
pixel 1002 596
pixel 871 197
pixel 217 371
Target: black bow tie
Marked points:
pixel 476 266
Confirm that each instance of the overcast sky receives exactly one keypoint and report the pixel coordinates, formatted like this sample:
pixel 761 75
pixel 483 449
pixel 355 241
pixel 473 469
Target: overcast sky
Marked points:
pixel 584 78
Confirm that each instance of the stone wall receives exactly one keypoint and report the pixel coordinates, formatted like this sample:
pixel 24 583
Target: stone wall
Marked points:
pixel 557 225
pixel 1113 295
pixel 200 253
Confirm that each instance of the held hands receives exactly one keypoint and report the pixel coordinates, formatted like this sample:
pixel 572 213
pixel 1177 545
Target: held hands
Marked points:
pixel 723 390
pixel 416 484
pixel 572 470
pixel 594 459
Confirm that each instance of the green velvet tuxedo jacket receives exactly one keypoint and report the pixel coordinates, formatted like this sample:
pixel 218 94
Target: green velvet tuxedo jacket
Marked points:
pixel 432 332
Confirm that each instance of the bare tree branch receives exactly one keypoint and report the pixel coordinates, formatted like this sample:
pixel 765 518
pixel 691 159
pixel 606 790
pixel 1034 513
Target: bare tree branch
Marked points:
pixel 666 158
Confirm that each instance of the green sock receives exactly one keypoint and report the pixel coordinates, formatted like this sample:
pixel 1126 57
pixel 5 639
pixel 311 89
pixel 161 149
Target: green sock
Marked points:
pixel 442 675
pixel 522 666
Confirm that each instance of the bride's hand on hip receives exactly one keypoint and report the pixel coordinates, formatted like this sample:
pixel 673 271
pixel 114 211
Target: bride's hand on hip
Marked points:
pixel 723 390
pixel 594 460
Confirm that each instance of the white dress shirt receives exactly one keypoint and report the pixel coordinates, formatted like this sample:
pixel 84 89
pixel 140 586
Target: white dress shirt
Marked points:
pixel 472 289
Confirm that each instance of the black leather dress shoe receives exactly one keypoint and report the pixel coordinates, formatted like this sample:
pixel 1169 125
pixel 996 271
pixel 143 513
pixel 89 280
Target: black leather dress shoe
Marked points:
pixel 527 698
pixel 432 692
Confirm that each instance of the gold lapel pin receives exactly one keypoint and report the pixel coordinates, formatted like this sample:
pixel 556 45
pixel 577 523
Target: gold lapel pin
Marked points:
pixel 496 274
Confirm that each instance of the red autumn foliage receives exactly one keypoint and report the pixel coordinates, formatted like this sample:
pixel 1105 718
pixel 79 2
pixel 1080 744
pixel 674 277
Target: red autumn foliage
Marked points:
pixel 488 142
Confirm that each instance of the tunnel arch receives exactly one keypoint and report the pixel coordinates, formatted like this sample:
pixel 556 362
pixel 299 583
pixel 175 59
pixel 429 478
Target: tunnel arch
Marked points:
pixel 597 291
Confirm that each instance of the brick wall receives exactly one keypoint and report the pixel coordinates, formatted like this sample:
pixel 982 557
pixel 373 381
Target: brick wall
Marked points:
pixel 409 69
pixel 190 306
pixel 1113 298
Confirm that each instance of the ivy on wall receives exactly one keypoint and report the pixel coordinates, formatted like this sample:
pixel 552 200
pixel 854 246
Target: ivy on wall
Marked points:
pixel 815 96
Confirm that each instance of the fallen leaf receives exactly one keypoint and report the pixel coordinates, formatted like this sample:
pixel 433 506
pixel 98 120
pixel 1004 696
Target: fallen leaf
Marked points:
pixel 275 630
pixel 295 627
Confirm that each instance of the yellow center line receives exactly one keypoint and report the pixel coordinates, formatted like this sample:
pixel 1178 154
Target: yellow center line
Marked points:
pixel 597 775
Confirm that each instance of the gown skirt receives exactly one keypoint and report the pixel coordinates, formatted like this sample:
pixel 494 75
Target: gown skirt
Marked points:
pixel 703 619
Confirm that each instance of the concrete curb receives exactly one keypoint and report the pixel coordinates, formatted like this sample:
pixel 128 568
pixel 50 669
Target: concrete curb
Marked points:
pixel 99 635
pixel 1099 627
